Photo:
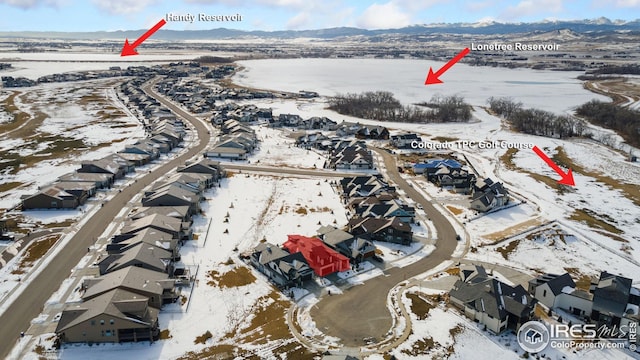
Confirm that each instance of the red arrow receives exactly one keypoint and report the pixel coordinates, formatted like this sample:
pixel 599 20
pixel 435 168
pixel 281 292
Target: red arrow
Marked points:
pixel 432 78
pixel 130 49
pixel 567 178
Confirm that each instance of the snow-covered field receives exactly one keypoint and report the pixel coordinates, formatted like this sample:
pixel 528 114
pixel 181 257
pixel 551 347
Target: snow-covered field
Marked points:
pixel 83 116
pixel 242 212
pixel 277 147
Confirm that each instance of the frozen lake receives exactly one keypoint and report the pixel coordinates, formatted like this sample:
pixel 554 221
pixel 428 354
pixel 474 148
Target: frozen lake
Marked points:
pixel 556 91
pixel 35 65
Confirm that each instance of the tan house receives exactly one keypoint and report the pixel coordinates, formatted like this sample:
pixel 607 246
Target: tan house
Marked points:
pixel 114 316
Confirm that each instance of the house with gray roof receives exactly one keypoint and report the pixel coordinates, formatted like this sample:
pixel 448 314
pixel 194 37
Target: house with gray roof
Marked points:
pixel 156 286
pixel 495 304
pixel 355 248
pixel 148 235
pixel 178 212
pixel 177 228
pixel 142 255
pixel 114 316
pixel 281 267
pixel 99 181
pixel 51 197
pixel 173 196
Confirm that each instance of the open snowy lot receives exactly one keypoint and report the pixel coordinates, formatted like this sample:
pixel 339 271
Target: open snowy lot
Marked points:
pixel 59 126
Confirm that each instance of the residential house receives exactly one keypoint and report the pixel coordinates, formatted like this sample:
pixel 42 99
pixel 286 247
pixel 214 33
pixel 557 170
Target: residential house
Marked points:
pixel 178 212
pixel 404 141
pixel 149 235
pixel 103 166
pixel 321 258
pixel 379 229
pixel 615 301
pixel 142 255
pixel 355 248
pixel 173 196
pixel 81 190
pixel 559 291
pixel 350 158
pixel 491 302
pixel 204 166
pixel 431 166
pixel 458 180
pixel 372 132
pixel 281 267
pixel 488 195
pixel 114 316
pixel 99 181
pixel 51 197
pixel 387 210
pixel 178 229
pixel 154 285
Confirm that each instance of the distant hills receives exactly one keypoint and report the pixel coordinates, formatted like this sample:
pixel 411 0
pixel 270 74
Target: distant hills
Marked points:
pixel 481 28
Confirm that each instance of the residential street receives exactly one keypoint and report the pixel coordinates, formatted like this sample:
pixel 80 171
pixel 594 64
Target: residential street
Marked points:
pixel 361 312
pixel 30 302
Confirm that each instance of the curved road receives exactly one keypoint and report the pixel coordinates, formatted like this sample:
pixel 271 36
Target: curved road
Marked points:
pixel 361 311
pixel 30 302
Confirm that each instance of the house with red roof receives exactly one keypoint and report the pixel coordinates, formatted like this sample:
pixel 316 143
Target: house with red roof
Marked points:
pixel 321 258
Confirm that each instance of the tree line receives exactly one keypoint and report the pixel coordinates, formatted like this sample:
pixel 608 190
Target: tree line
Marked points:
pixel 383 106
pixel 624 121
pixel 536 121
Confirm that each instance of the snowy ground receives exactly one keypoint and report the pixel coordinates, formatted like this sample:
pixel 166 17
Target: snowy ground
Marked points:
pixel 277 147
pixel 81 116
pixel 258 207
pixel 446 333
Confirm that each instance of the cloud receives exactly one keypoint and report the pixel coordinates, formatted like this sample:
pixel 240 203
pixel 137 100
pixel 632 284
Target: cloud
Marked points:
pixel 626 3
pixel 29 4
pixel 385 16
pixel 527 8
pixel 293 4
pixel 299 21
pixel 122 7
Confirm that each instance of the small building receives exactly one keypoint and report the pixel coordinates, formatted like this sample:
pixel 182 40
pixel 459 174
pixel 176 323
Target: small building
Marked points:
pixel 142 255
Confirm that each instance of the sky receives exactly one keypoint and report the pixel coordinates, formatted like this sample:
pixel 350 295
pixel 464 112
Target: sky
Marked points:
pixel 110 15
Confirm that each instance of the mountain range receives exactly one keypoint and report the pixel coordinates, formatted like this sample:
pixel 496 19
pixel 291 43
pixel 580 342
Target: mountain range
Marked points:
pixel 481 28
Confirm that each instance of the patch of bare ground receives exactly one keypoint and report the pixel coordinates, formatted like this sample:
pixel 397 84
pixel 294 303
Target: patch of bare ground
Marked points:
pixel 419 305
pixel 239 276
pixel 165 335
pixel 9 186
pixel 421 347
pixel 34 252
pixel 267 329
pixel 596 221
pixel 203 338
pixel 497 236
pixel 454 210
pixel 444 139
pixel 582 281
pixel 508 249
